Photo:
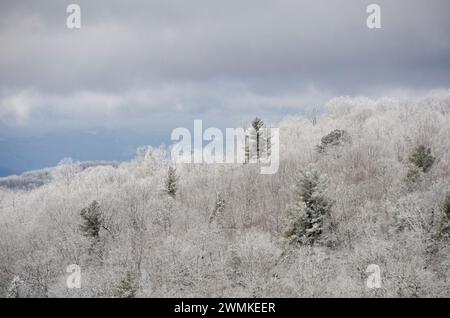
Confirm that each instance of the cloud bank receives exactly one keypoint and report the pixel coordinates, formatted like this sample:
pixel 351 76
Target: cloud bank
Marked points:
pixel 136 59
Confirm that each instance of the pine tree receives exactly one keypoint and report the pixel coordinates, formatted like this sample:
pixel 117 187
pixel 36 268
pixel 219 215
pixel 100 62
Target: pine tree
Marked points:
pixel 171 182
pixel 445 223
pixel 127 287
pixel 234 267
pixel 92 220
pixel 311 206
pixel 219 208
pixel 421 162
pixel 257 141
pixel 422 158
pixel 257 125
pixel 335 138
pixel 13 289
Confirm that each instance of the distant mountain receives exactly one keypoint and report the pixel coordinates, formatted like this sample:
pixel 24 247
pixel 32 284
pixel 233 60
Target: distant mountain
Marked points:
pixel 24 152
pixel 37 178
pixel 28 180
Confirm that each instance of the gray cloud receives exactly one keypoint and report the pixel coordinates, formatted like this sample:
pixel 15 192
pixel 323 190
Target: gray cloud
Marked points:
pixel 201 57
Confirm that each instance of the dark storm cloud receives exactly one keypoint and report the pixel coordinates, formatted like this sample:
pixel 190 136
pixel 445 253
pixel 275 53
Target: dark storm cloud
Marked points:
pixel 202 55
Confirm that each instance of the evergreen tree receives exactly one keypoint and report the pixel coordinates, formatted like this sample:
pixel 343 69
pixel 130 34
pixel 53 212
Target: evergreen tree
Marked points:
pixel 13 289
pixel 257 125
pixel 219 208
pixel 234 267
pixel 422 158
pixel 257 142
pixel 127 287
pixel 421 162
pixel 92 220
pixel 335 138
pixel 311 206
pixel 445 224
pixel 171 182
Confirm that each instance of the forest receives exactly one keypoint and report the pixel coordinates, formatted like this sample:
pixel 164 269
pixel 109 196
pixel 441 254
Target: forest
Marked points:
pixel 363 182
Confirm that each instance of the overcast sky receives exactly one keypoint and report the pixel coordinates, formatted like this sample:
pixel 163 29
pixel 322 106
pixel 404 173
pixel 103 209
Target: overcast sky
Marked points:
pixel 159 64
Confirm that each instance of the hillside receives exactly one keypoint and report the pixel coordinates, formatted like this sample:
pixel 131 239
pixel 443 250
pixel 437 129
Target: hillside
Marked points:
pixel 378 176
pixel 33 179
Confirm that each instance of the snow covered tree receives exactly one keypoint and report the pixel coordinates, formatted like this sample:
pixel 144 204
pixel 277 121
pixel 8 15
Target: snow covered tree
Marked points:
pixel 335 138
pixel 219 208
pixel 234 266
pixel 171 182
pixel 422 158
pixel 171 250
pixel 92 220
pixel 127 287
pixel 420 161
pixel 66 171
pixel 257 125
pixel 257 141
pixel 311 206
pixel 13 289
pixel 445 223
